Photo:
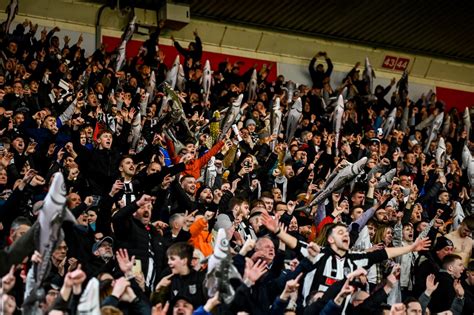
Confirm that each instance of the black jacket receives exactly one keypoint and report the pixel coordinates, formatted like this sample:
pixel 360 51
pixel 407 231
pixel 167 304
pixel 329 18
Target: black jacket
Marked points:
pixel 317 76
pixel 444 295
pixel 101 169
pixel 259 298
pixel 468 298
pixel 101 166
pixel 195 54
pixel 141 241
pixel 168 239
pixel 425 265
pixel 371 304
pixel 189 286
pixel 97 265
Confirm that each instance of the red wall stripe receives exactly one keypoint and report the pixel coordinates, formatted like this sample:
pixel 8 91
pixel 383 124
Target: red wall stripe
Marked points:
pixel 455 98
pixel 215 58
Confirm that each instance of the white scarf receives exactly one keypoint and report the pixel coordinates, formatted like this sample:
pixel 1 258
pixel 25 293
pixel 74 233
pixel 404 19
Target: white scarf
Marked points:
pixel 282 181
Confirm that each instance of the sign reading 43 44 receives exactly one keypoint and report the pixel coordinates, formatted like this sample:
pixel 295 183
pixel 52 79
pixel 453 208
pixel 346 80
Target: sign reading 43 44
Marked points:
pixel 395 63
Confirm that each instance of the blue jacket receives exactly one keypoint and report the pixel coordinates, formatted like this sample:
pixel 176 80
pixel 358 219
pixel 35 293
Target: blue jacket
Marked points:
pixel 201 311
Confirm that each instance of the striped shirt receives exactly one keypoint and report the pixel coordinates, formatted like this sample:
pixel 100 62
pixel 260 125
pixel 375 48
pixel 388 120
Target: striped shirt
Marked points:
pixel 328 267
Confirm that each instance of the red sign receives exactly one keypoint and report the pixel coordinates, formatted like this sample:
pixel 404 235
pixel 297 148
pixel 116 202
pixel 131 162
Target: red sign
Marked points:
pixel 389 62
pixel 402 64
pixel 395 63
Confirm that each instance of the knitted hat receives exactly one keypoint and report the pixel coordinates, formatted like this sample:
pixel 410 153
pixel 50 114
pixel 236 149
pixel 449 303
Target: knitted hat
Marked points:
pixel 250 122
pixel 442 242
pixel 200 189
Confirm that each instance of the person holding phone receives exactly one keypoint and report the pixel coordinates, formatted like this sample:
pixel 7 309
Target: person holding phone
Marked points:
pixel 134 232
pixel 127 171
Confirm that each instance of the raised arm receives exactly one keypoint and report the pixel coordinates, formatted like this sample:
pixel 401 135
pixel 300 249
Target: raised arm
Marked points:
pixel 273 226
pixel 419 245
pixel 362 220
pixel 128 210
pixel 311 66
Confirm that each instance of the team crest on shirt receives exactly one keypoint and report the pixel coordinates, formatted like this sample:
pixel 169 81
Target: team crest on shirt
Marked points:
pixel 192 289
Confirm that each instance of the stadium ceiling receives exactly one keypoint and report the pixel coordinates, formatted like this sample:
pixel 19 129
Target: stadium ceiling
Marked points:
pixel 439 28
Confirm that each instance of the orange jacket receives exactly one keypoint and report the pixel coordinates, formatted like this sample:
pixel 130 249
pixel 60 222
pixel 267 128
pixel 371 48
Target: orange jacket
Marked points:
pixel 201 239
pixel 193 168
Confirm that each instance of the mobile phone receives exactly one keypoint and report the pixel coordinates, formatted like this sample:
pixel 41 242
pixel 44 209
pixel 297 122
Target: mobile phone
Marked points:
pixel 95 201
pixel 137 267
pixel 356 283
pixel 303 244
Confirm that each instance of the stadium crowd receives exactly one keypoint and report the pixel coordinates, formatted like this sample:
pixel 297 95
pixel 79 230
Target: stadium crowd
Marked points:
pixel 150 186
